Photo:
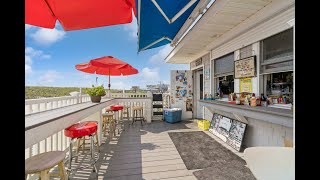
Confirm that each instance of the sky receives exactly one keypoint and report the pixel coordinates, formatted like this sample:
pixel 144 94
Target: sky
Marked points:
pixel 51 56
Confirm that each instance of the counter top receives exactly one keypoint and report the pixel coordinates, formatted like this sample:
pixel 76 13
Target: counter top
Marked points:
pixel 269 110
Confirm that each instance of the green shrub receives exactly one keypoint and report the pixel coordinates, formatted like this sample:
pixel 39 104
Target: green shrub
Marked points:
pixel 96 91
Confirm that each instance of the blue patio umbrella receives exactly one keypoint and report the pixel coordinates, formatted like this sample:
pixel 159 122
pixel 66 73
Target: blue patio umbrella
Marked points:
pixel 160 20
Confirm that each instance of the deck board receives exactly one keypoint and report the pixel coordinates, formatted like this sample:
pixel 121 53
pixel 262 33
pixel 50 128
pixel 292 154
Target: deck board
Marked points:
pixel 140 153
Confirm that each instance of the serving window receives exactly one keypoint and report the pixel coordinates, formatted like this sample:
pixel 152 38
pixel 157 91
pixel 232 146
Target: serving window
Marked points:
pixel 223 75
pixel 277 66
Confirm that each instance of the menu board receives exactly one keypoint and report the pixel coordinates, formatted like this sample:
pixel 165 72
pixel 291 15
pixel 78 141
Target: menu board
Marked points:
pixel 229 130
pixel 245 68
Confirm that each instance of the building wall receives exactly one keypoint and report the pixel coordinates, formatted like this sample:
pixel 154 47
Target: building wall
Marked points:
pixel 258 133
pixel 261 133
pixel 277 23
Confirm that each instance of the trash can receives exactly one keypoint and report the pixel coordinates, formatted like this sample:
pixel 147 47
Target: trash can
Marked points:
pixel 172 115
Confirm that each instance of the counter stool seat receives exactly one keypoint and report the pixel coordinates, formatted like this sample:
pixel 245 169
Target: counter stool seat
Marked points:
pixel 81 129
pixel 43 162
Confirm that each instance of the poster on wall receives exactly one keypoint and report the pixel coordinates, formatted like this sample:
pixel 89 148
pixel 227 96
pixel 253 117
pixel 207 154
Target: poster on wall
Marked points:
pixel 246 85
pixel 207 73
pixel 189 105
pixel 229 130
pixel 245 68
pixel 180 77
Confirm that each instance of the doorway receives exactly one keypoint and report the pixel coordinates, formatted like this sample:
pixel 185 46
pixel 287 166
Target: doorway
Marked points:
pixel 198 93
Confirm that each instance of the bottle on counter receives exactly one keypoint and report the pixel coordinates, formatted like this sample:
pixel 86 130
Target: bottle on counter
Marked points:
pixel 238 100
pixel 258 101
pixel 253 100
pixel 247 100
pixel 263 100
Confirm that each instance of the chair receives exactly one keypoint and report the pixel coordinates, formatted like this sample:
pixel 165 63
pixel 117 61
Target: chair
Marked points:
pixel 108 123
pixel 137 114
pixel 44 162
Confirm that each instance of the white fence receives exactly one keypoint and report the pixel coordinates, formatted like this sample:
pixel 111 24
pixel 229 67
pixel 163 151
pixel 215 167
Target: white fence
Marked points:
pixel 43 104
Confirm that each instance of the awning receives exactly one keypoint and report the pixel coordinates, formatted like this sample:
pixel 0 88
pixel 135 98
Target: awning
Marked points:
pixel 78 14
pixel 160 20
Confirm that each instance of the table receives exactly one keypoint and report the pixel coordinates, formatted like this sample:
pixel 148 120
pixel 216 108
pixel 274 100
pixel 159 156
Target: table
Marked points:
pixel 271 163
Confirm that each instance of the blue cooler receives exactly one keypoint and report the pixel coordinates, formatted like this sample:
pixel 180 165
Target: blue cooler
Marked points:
pixel 172 115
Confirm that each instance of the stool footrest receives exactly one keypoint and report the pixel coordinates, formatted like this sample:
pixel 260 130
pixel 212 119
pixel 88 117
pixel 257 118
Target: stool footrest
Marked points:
pixel 80 168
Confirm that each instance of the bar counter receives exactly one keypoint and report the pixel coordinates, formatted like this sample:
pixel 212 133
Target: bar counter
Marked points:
pixel 273 115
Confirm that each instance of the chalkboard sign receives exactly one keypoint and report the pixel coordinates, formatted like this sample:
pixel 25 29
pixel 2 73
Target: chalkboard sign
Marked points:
pixel 245 68
pixel 229 130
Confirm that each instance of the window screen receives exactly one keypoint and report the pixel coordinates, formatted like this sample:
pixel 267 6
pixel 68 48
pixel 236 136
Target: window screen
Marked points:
pixel 277 53
pixel 224 65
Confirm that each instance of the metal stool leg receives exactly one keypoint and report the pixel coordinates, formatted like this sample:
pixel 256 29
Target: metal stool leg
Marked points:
pixel 92 153
pixel 70 154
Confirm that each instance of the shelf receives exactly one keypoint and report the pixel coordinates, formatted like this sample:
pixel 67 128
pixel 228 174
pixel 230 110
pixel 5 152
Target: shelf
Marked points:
pixel 157 113
pixel 157 106
pixel 283 83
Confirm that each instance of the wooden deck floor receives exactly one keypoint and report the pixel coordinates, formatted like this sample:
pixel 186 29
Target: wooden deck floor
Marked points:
pixel 141 153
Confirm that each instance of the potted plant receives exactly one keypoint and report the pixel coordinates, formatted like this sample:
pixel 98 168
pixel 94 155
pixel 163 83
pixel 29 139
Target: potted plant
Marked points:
pixel 95 93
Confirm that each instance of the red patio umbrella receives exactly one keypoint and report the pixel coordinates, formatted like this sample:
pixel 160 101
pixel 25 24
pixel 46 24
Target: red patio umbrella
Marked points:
pixel 78 14
pixel 107 65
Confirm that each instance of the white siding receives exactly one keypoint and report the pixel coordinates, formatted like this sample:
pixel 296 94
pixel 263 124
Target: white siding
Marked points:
pixel 266 29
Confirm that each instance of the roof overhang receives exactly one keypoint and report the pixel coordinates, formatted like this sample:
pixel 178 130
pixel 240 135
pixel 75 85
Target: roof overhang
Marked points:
pixel 222 17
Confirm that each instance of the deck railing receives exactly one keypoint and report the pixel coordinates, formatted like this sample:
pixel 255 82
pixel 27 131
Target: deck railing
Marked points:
pixel 43 104
pixel 53 138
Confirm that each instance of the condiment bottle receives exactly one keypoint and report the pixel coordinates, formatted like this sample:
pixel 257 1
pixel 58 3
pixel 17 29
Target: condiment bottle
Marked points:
pixel 258 101
pixel 253 100
pixel 238 100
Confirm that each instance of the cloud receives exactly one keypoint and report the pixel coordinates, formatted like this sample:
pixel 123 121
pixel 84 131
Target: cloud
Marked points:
pixel 45 56
pixel 28 60
pixel 159 57
pixel 119 85
pixel 27 27
pixel 50 77
pixel 47 36
pixel 28 68
pixel 132 28
pixel 36 53
pixel 150 74
pixel 32 52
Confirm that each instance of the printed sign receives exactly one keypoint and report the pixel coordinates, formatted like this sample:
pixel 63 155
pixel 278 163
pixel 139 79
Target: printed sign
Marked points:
pixel 246 85
pixel 245 68
pixel 229 130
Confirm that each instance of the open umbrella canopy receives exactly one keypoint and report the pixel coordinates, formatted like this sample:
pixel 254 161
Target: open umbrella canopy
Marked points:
pixel 160 20
pixel 78 14
pixel 107 65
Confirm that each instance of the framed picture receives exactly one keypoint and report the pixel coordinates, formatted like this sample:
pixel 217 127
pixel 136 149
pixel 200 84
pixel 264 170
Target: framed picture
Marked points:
pixel 189 105
pixel 244 68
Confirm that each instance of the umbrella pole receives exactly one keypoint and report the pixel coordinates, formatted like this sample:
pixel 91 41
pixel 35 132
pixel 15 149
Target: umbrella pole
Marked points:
pixel 109 84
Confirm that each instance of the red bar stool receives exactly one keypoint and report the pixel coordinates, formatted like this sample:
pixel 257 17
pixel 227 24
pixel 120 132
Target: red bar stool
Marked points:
pixel 116 109
pixel 80 130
